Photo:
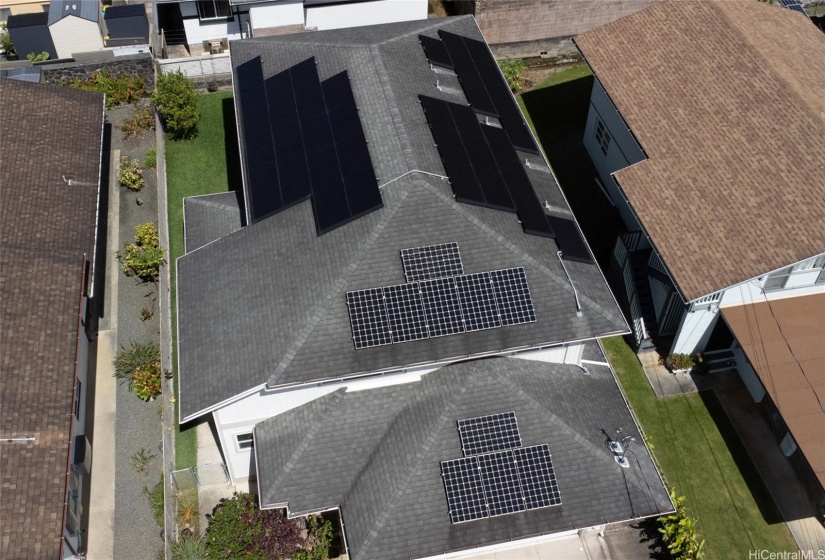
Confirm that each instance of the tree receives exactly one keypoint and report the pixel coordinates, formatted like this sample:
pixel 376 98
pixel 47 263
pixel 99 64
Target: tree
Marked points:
pixel 5 40
pixel 177 104
pixel 679 532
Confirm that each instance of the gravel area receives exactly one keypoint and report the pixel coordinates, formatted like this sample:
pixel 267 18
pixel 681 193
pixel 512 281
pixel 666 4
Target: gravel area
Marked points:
pixel 137 535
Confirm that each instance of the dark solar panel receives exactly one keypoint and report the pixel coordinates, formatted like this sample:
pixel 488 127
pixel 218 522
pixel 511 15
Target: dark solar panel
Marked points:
pixel 405 312
pixel 528 207
pixel 500 476
pixel 368 318
pixel 478 302
pixel 569 240
pixel 261 165
pixel 465 491
pixel 435 52
pixel 471 81
pixel 432 261
pixel 441 306
pixel 537 476
pixel 515 306
pixel 494 432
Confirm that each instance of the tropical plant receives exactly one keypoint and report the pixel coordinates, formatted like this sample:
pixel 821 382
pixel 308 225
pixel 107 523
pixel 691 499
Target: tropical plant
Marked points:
pixel 123 88
pixel 238 529
pixel 141 460
pixel 513 70
pixel 177 104
pixel 318 541
pixel 678 361
pixel 146 314
pixel 146 381
pixel 129 174
pixel 5 40
pixel 679 532
pixel 155 497
pixel 34 57
pixel 189 548
pixel 143 119
pixel 137 355
pixel 144 257
pixel 188 510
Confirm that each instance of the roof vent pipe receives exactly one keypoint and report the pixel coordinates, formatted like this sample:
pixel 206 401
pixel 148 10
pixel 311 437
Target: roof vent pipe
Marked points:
pixel 572 285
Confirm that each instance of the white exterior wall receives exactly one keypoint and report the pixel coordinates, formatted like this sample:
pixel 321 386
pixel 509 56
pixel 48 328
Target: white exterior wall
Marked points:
pixel 197 32
pixel 365 13
pixel 698 322
pixel 240 417
pixel 622 152
pixel 276 15
pixel 75 35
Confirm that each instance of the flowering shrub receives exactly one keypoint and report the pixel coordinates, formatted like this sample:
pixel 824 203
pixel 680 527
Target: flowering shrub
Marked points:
pixel 144 257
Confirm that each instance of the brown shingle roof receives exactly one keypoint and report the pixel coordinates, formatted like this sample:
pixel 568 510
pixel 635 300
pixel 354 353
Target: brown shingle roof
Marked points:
pixel 785 342
pixel 46 226
pixel 726 99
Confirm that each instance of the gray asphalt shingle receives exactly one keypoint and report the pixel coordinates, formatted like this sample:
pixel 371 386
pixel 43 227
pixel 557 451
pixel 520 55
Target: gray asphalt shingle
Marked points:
pixel 376 454
pixel 265 305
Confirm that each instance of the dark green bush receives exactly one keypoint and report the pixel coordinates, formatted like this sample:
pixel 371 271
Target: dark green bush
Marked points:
pixel 177 104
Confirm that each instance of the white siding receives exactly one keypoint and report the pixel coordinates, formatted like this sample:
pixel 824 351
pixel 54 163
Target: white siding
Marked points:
pixel 290 12
pixel 365 13
pixel 75 35
pixel 197 32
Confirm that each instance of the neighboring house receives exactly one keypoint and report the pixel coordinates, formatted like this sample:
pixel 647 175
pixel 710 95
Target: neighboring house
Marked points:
pixel 542 27
pixel 386 287
pixel 202 23
pixel 49 212
pixel 30 34
pixel 18 7
pixel 715 166
pixel 75 26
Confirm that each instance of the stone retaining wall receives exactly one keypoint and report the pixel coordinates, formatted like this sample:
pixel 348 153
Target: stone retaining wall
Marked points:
pixel 138 65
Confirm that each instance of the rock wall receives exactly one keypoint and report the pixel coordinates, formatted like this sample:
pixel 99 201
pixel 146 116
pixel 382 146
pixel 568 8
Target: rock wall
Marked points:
pixel 138 65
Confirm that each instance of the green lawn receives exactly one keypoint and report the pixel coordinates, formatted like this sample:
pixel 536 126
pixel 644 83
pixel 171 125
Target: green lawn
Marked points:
pixel 199 166
pixel 702 457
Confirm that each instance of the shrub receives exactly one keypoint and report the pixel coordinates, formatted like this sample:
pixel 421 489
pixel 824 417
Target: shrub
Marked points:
pixel 5 40
pixel 142 120
pixel 144 257
pixel 319 539
pixel 189 548
pixel 155 497
pixel 129 174
pixel 138 355
pixel 151 159
pixel 33 57
pixel 238 529
pixel 679 532
pixel 177 104
pixel 146 381
pixel 124 88
pixel 513 70
pixel 679 361
pixel 188 510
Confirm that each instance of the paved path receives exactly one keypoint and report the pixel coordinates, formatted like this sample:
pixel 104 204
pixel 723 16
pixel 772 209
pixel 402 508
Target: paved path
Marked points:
pixel 663 382
pixel 100 536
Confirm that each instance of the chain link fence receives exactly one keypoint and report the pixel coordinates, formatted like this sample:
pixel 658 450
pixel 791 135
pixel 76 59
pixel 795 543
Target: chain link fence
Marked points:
pixel 202 475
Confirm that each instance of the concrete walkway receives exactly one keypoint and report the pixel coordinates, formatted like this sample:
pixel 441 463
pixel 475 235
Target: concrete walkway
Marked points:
pixel 101 535
pixel 209 454
pixel 774 468
pixel 663 382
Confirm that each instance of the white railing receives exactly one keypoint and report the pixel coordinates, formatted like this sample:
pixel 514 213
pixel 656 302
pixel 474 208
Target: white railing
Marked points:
pixel 706 302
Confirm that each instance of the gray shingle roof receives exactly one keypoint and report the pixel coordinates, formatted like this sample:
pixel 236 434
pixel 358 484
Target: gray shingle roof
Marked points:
pixel 266 304
pixel 376 454
pixel 84 9
pixel 209 217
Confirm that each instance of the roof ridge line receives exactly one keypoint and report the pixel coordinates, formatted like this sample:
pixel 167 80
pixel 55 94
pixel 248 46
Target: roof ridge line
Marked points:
pixel 584 442
pixel 558 279
pixel 401 486
pixel 392 107
pixel 335 399
pixel 434 25
pixel 320 309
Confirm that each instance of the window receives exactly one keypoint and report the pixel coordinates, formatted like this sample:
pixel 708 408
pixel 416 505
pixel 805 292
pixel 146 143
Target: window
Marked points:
pixel 602 137
pixel 213 9
pixel 777 280
pixel 77 401
pixel 244 441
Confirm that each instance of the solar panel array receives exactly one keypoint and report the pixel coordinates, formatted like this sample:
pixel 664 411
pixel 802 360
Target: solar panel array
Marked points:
pixel 482 82
pixel 489 433
pixel 795 5
pixel 497 476
pixel 439 307
pixel 482 165
pixel 432 261
pixel 569 240
pixel 303 138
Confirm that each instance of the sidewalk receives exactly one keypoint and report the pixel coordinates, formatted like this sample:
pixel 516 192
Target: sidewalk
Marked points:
pixel 664 383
